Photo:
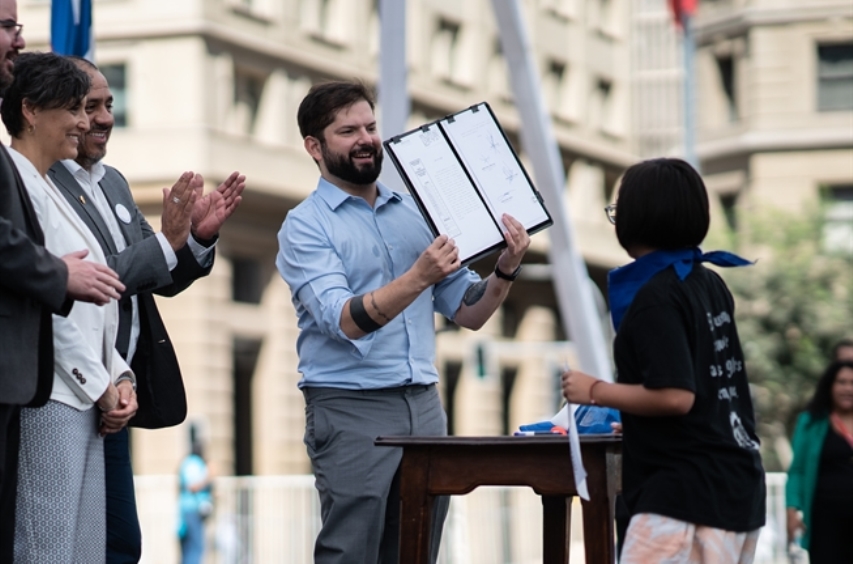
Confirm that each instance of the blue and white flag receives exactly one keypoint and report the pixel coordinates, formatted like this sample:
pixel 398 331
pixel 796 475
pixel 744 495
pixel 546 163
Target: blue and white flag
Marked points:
pixel 71 28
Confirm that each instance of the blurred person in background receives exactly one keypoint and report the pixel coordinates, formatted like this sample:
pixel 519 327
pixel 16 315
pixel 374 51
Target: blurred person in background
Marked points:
pixel 819 490
pixel 195 504
pixel 843 350
pixel 60 497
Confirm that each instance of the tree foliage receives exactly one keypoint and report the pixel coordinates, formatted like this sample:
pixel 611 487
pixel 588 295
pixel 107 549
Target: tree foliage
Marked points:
pixel 791 308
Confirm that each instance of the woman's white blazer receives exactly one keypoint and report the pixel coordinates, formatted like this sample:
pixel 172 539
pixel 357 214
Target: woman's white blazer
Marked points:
pixel 85 357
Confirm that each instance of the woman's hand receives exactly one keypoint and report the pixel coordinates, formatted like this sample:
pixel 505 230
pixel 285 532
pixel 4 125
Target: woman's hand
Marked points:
pixel 116 419
pixel 793 523
pixel 576 386
pixel 109 399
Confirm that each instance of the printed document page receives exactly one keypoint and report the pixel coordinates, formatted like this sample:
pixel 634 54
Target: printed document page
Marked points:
pixel 491 161
pixel 445 190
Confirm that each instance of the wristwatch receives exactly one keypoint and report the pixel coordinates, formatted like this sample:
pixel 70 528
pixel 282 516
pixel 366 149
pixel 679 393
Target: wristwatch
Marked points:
pixel 504 276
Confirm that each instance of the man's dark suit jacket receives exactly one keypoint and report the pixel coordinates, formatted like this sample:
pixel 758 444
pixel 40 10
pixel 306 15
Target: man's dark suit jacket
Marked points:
pixel 33 285
pixel 141 267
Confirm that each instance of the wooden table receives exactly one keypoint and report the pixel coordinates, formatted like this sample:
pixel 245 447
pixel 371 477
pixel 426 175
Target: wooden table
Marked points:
pixel 434 466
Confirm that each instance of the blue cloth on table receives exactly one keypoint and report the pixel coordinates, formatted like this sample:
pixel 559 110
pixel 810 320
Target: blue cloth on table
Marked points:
pixel 595 419
pixel 590 420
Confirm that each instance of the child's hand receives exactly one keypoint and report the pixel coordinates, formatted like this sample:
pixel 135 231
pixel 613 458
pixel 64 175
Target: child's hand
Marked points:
pixel 576 386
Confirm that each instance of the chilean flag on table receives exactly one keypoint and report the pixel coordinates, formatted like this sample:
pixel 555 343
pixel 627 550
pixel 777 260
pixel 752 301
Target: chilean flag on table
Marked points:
pixel 71 28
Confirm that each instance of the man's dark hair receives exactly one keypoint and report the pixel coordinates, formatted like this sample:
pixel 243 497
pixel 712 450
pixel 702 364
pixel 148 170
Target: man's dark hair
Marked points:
pixel 821 403
pixel 45 81
pixel 322 103
pixel 842 344
pixel 662 204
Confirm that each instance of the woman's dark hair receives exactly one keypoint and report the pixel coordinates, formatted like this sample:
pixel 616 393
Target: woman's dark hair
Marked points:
pixel 821 402
pixel 322 103
pixel 45 81
pixel 662 204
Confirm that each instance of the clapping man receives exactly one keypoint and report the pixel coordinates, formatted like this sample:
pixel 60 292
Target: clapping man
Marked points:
pixel 164 263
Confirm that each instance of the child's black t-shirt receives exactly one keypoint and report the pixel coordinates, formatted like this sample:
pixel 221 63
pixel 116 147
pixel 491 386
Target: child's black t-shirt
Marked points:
pixel 703 467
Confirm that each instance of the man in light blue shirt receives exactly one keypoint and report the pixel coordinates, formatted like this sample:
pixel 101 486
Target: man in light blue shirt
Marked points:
pixel 366 276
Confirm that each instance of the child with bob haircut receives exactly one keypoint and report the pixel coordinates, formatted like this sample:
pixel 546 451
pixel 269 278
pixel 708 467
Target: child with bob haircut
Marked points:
pixel 693 481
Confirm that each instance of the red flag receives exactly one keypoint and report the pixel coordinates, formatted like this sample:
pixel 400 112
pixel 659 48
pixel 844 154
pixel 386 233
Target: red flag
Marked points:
pixel 682 8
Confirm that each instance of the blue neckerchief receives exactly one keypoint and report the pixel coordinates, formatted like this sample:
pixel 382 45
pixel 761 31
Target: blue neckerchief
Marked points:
pixel 624 282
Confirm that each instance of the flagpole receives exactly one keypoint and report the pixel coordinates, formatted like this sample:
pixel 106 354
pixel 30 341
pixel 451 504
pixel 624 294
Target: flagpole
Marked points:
pixel 689 46
pixel 393 80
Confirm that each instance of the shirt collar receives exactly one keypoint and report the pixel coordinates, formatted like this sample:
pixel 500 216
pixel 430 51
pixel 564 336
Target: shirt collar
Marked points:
pixel 93 176
pixel 335 197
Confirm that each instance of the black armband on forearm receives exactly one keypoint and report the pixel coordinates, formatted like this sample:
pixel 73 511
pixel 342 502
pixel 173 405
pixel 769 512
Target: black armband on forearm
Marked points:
pixel 360 316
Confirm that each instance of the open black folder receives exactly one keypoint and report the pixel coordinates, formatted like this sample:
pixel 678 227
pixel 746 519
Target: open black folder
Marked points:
pixel 465 175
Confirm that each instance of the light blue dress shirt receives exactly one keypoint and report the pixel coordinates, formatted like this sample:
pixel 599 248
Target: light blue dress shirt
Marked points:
pixel 334 246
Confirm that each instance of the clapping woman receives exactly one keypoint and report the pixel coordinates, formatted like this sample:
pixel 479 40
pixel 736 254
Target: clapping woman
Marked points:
pixel 60 503
pixel 820 479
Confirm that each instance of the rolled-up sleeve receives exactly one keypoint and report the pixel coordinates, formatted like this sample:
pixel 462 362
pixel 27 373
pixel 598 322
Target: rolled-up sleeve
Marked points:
pixel 448 294
pixel 312 268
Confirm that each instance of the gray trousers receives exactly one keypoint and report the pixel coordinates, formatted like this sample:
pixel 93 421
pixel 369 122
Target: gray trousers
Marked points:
pixel 61 507
pixel 358 482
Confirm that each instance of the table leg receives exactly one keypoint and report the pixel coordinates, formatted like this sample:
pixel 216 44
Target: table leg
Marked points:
pixel 556 528
pixel 599 530
pixel 415 509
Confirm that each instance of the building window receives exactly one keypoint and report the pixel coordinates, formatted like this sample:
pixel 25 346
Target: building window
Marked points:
pixel 729 205
pixel 327 20
pixel 116 76
pixel 561 9
pixel 600 104
pixel 497 74
pixel 726 67
pixel 838 218
pixel 445 47
pixel 248 89
pixel 246 352
pixel 246 280
pixel 601 16
pixel 835 77
pixel 554 86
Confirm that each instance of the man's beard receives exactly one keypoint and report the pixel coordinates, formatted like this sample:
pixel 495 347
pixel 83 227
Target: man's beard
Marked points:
pixel 5 81
pixel 6 77
pixel 343 167
pixel 86 158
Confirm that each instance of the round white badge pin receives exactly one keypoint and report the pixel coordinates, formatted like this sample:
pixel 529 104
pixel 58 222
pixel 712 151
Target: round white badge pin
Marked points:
pixel 122 213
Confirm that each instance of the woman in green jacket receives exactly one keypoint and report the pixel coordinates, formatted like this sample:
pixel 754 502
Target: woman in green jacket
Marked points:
pixel 820 479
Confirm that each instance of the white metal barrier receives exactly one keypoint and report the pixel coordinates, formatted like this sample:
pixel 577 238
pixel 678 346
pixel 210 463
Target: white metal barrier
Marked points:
pixel 275 519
